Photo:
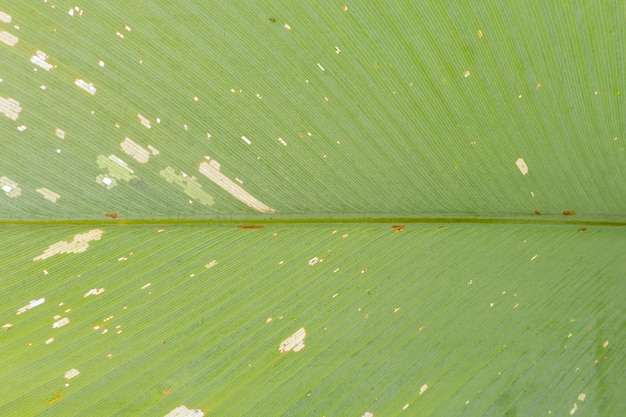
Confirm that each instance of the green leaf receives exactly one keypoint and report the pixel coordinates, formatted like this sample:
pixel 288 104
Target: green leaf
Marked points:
pixel 312 208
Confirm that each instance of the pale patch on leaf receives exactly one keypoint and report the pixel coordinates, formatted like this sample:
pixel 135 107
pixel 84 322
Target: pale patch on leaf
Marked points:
pixel 521 165
pixel 79 244
pixel 294 342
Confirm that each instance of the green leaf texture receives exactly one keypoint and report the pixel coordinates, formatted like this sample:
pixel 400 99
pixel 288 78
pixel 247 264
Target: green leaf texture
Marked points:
pixel 434 190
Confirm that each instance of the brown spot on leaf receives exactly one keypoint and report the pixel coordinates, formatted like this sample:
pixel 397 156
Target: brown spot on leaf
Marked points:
pixel 440 227
pixel 55 398
pixel 250 227
pixel 111 215
pixel 397 228
pixel 272 19
pixel 537 213
pixel 568 213
pixel 582 229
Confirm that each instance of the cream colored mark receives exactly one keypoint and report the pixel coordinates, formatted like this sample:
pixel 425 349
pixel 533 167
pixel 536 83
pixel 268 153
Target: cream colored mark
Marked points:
pixel 48 194
pixel 144 121
pixel 5 17
pixel 183 411
pixel 31 304
pixel 135 151
pixel 39 59
pixel 8 38
pixel 211 170
pixel 10 108
pixel 60 133
pixel 85 86
pixel 74 11
pixel 71 373
pixel 294 342
pixel 94 291
pixel 60 323
pixel 423 389
pixel 10 187
pixel 79 244
pixel 522 166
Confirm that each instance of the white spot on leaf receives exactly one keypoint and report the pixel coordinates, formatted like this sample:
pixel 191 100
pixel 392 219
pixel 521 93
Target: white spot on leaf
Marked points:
pixel 294 342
